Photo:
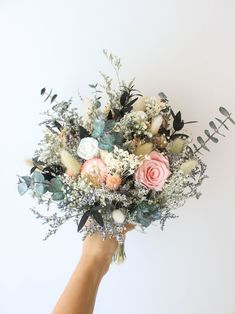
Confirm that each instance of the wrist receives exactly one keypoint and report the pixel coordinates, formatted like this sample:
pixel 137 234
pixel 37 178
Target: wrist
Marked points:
pixel 97 263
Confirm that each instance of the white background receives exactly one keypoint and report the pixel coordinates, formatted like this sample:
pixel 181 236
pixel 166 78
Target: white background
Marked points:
pixel 183 48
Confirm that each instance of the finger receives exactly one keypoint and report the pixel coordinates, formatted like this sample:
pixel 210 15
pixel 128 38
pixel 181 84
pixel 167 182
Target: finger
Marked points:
pixel 129 227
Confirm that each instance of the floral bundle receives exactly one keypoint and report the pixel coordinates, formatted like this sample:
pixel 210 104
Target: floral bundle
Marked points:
pixel 127 162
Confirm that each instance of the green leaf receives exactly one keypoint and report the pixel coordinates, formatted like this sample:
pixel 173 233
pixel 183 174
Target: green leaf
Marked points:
pixel 48 96
pixel 109 125
pixel 92 85
pixel 207 133
pixel 99 219
pixel 39 189
pixel 117 138
pixel 58 196
pixel 22 188
pixel 43 90
pixel 38 177
pixel 231 120
pixel 83 220
pixel 98 128
pixel 222 123
pixel 55 185
pixel 213 126
pixel 27 180
pixel 202 143
pixel 214 139
pixel 106 142
pixel 224 111
pixel 53 97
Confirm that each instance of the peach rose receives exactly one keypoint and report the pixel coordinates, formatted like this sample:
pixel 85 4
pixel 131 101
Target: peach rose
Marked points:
pixel 153 172
pixel 95 169
pixel 113 182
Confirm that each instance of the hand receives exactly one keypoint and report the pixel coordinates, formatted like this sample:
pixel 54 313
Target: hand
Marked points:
pixel 95 248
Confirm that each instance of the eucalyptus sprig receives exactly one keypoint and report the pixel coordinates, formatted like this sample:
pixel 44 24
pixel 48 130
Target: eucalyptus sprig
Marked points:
pixel 215 128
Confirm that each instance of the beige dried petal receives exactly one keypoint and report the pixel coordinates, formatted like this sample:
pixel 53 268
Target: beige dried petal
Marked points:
pixel 144 149
pixel 139 105
pixel 177 146
pixel 156 124
pixel 188 166
pixel 72 165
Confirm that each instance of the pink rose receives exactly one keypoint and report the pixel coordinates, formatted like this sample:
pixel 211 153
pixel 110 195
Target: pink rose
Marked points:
pixel 153 172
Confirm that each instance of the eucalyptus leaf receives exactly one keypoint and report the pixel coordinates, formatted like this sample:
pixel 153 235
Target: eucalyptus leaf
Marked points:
pixel 224 111
pixel 58 196
pixel 38 177
pixel 55 185
pixel 48 96
pixel 214 139
pixel 39 189
pixel 202 142
pixel 213 126
pixel 27 180
pixel 43 90
pixel 222 123
pixel 98 127
pixel 109 125
pixel 207 132
pixel 53 98
pixel 22 188
pixel 231 120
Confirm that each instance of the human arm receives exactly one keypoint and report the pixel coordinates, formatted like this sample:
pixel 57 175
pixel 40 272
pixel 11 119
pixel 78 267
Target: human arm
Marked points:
pixel 80 293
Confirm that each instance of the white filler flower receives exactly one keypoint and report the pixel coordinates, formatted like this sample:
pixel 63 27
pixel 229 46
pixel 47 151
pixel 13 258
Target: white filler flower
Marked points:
pixel 118 216
pixel 88 148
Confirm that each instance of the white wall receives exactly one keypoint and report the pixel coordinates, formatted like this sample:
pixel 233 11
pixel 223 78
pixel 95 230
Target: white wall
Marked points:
pixel 184 48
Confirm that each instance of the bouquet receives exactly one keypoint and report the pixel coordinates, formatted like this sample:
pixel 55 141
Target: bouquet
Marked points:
pixel 129 161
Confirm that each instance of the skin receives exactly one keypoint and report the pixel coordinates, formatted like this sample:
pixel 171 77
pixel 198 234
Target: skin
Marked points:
pixel 80 293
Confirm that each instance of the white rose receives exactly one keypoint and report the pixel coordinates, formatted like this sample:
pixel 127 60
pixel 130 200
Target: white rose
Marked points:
pixel 88 148
pixel 118 216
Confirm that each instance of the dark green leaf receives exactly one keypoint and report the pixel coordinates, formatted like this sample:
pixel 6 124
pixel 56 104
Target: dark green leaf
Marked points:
pixel 83 220
pixel 97 216
pixel 178 124
pixel 53 97
pixel 124 98
pixel 202 142
pixel 43 90
pixel 224 111
pixel 22 188
pixel 58 125
pixel 132 102
pixel 110 115
pixel 181 135
pixel 33 169
pixel 83 132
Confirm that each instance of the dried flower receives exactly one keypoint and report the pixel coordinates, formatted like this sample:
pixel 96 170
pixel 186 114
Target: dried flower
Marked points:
pixel 113 182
